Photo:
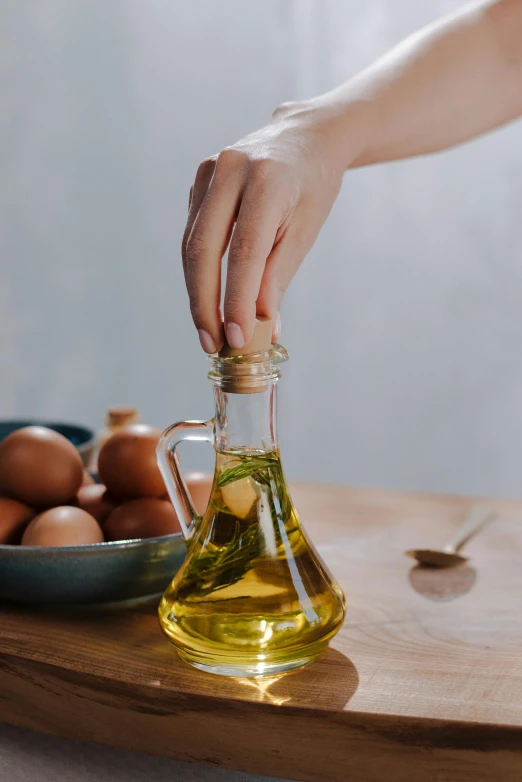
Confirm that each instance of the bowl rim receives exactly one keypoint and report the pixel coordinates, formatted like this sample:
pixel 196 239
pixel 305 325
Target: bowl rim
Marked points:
pixel 130 543
pixel 49 423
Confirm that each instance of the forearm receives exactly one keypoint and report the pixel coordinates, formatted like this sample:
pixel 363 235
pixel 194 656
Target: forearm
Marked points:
pixel 450 82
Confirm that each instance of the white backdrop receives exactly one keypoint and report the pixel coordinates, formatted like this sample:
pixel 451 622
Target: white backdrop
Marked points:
pixel 404 324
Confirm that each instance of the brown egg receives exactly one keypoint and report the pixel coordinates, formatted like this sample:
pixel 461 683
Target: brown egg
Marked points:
pixel 88 480
pixel 39 467
pixel 199 485
pixel 14 517
pixel 96 501
pixel 64 526
pixel 127 463
pixel 147 517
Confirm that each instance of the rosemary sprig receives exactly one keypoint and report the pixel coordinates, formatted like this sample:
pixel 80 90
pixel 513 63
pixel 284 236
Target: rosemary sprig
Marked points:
pixel 220 508
pixel 220 566
pixel 249 465
pixel 266 470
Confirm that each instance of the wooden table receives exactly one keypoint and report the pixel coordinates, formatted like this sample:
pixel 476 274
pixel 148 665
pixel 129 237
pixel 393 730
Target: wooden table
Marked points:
pixel 424 682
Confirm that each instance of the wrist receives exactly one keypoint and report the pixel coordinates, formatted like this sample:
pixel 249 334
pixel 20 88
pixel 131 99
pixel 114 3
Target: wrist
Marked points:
pixel 349 125
pixel 341 124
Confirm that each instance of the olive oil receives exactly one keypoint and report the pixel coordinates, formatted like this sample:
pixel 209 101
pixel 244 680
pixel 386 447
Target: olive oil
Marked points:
pixel 252 597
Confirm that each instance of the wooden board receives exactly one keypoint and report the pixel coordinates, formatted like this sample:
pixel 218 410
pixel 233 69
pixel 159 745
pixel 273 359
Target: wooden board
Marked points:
pixel 424 682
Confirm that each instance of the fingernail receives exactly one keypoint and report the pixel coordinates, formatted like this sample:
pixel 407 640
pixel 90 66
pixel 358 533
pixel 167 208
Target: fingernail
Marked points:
pixel 277 327
pixel 235 336
pixel 207 343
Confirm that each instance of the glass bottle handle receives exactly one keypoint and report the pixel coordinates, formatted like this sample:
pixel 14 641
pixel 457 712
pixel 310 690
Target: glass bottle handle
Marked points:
pixel 168 463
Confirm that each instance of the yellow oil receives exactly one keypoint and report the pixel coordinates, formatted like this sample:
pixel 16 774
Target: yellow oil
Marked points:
pixel 252 597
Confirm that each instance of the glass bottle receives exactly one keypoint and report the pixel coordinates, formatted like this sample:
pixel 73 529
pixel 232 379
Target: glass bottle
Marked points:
pixel 252 597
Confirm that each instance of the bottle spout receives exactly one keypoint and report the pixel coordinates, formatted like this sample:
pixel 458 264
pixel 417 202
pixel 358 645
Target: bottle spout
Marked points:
pixel 250 369
pixel 279 354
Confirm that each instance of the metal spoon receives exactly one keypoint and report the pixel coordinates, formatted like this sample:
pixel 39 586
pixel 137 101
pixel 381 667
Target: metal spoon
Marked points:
pixel 476 518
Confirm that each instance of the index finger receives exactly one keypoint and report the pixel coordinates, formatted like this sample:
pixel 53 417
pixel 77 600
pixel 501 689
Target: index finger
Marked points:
pixel 258 221
pixel 205 246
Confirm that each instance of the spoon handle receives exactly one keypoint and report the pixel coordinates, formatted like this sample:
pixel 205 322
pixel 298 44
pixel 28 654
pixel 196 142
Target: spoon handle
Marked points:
pixel 477 518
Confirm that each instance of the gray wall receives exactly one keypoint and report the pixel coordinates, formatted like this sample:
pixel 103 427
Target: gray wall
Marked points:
pixel 404 324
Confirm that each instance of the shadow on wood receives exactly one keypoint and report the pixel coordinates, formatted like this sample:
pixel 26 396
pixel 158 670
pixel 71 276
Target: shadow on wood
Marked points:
pixel 329 683
pixel 442 585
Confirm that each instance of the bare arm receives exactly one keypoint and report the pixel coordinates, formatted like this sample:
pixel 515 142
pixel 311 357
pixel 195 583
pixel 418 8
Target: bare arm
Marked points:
pixel 452 81
pixel 272 191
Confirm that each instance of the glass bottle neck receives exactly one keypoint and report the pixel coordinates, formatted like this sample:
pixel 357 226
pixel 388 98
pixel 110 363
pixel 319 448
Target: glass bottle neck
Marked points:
pixel 246 422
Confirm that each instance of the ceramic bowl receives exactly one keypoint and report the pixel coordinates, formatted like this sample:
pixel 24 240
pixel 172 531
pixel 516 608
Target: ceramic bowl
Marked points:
pixel 84 439
pixel 96 573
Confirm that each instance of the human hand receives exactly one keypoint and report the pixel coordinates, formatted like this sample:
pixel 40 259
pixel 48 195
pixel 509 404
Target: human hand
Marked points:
pixel 267 196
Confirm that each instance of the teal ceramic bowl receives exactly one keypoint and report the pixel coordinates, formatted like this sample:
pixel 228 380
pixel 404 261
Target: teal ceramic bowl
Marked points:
pixel 96 573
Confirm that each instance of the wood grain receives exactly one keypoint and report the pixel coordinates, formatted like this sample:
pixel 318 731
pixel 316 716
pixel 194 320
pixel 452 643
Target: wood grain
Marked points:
pixel 424 681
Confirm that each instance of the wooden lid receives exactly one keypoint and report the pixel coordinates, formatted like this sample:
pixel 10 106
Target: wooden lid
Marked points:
pixel 121 416
pixel 261 340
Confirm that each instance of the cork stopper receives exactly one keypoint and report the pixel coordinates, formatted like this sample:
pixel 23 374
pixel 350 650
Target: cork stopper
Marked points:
pixel 121 416
pixel 261 340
